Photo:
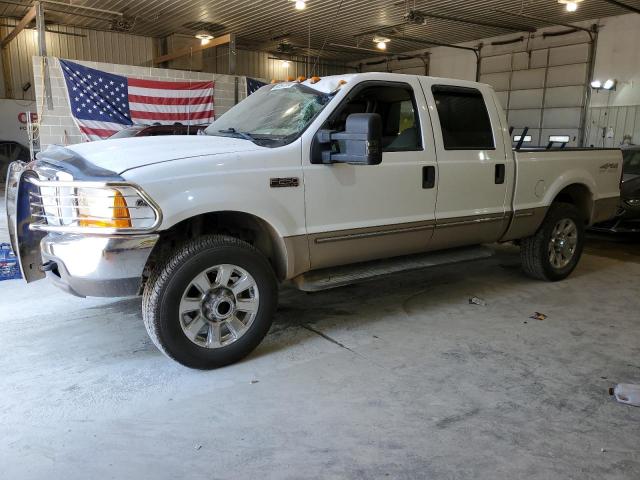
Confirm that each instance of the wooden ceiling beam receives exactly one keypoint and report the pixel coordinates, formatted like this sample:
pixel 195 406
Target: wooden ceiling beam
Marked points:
pixel 215 42
pixel 22 24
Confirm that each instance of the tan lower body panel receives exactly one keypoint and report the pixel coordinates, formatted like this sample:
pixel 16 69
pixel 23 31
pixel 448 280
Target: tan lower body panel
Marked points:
pixel 605 209
pixel 525 223
pixel 297 255
pixel 471 230
pixel 330 249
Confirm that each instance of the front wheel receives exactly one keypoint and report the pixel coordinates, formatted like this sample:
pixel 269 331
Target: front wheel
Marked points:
pixel 211 302
pixel 554 251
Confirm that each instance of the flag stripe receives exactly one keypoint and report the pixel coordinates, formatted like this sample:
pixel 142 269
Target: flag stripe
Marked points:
pixel 140 115
pixel 158 92
pixel 99 132
pixel 184 109
pixel 164 85
pixel 102 125
pixel 133 99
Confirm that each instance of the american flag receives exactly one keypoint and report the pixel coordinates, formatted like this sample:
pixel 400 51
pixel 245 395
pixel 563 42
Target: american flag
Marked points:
pixel 104 103
pixel 254 85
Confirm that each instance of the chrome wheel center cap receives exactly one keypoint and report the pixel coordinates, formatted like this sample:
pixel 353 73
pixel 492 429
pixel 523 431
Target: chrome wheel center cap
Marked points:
pixel 218 305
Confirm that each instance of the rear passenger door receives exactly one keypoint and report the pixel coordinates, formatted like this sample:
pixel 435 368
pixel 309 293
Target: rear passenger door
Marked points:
pixel 473 169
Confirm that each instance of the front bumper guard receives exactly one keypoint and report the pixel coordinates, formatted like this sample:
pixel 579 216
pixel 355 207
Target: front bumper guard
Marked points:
pixel 81 264
pixel 97 266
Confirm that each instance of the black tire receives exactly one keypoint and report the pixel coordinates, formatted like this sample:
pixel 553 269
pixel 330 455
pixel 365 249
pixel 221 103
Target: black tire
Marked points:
pixel 534 250
pixel 168 281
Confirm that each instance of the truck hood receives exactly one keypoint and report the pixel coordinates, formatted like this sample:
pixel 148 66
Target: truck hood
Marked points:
pixel 119 155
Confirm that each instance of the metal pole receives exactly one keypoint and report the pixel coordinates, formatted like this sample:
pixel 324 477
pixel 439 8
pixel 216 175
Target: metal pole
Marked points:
pixel 233 53
pixel 42 51
pixel 478 53
pixel 593 45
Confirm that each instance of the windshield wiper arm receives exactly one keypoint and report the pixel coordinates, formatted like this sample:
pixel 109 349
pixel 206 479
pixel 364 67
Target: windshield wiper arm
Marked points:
pixel 233 131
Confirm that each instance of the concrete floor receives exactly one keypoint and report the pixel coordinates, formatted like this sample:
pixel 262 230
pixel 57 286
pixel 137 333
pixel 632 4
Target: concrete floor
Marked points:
pixel 396 378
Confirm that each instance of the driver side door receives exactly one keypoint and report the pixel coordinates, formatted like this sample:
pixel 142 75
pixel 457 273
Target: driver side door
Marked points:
pixel 356 213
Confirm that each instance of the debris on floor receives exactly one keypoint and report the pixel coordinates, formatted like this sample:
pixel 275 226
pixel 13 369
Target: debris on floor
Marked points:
pixel 198 447
pixel 254 381
pixel 538 316
pixel 477 301
pixel 626 393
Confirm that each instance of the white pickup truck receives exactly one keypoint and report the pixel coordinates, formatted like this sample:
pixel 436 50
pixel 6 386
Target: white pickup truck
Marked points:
pixel 315 183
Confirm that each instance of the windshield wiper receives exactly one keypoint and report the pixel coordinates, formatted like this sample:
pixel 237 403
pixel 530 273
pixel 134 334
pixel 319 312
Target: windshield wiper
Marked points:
pixel 233 131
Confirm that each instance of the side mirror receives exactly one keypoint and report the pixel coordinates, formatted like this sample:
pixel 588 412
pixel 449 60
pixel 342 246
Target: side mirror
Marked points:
pixel 362 141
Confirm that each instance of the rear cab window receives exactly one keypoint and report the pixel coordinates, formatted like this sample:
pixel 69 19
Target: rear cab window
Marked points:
pixel 464 118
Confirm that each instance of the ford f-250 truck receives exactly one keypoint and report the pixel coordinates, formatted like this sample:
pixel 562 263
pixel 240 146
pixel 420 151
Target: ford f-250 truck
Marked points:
pixel 312 183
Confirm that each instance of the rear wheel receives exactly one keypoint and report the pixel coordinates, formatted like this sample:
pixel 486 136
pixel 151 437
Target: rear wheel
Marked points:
pixel 211 302
pixel 554 251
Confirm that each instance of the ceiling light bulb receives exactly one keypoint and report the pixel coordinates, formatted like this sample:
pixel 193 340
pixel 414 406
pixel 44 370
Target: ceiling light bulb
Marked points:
pixel 608 85
pixel 382 45
pixel 572 6
pixel 301 4
pixel 596 84
pixel 204 37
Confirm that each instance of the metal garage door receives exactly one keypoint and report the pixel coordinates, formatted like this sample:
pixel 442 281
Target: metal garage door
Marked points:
pixel 543 89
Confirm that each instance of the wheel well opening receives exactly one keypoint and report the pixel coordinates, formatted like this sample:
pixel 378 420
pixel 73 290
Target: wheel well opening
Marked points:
pixel 244 226
pixel 580 196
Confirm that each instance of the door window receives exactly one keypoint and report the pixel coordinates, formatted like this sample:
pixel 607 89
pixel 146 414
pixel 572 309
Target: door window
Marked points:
pixel 397 107
pixel 464 119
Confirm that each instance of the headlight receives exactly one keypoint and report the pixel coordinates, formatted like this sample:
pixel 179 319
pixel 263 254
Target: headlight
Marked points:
pixel 105 208
pixel 633 202
pixel 92 208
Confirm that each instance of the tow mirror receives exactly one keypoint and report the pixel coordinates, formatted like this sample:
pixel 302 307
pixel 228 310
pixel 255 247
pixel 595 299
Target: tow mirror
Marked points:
pixel 360 143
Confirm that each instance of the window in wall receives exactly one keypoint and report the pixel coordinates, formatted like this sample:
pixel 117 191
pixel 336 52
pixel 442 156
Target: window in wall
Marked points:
pixel 396 105
pixel 463 118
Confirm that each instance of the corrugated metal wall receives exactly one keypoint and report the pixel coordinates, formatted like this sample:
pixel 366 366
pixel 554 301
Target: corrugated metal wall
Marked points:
pixel 608 126
pixel 120 48
pixel 263 65
pixel 73 43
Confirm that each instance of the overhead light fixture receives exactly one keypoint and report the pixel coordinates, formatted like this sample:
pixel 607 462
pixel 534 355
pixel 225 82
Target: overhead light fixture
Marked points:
pixel 609 84
pixel 204 37
pixel 570 5
pixel 300 4
pixel 285 63
pixel 381 42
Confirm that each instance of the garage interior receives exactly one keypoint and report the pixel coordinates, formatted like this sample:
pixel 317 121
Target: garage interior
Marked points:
pixel 468 370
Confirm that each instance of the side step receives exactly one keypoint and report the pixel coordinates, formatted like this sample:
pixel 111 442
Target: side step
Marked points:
pixel 345 275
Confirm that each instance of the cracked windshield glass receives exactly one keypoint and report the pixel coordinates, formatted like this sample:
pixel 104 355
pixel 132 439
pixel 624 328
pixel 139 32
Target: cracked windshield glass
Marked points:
pixel 273 116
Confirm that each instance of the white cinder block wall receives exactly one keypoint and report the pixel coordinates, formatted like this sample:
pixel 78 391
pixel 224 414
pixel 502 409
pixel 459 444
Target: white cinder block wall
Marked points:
pixel 57 126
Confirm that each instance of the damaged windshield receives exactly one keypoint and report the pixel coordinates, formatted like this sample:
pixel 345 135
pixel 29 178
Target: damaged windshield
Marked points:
pixel 273 116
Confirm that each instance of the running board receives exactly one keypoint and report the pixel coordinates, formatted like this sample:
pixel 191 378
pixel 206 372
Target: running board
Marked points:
pixel 345 275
